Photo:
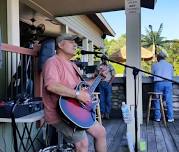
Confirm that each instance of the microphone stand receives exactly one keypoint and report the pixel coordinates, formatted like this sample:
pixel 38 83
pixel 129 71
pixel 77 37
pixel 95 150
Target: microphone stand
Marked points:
pixel 135 73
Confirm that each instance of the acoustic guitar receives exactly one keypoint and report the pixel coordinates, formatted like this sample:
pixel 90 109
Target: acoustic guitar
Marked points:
pixel 79 114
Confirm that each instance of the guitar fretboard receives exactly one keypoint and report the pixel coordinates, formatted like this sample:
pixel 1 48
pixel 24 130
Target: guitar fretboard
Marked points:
pixel 94 85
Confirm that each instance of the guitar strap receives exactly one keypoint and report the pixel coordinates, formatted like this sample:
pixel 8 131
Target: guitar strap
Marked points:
pixel 77 71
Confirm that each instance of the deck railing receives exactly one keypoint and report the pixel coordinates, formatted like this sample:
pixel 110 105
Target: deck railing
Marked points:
pixel 18 71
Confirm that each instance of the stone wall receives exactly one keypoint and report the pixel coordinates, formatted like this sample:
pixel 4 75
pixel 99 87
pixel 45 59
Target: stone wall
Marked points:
pixel 119 95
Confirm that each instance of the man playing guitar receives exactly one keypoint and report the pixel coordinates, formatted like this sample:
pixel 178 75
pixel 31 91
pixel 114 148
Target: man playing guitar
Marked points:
pixel 60 79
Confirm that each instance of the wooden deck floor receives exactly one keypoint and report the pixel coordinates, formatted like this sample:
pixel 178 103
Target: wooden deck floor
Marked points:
pixel 158 137
pixel 116 139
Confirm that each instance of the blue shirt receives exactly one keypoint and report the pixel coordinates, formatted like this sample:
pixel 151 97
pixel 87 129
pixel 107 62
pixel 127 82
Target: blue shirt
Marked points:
pixel 164 69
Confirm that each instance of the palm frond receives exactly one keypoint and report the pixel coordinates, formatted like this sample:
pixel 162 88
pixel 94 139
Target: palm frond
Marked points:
pixel 160 30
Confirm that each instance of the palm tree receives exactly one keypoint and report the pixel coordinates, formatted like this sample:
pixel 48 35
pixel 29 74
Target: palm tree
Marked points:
pixel 154 39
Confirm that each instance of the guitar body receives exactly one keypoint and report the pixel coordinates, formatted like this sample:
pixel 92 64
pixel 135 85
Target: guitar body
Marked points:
pixel 79 114
pixel 75 113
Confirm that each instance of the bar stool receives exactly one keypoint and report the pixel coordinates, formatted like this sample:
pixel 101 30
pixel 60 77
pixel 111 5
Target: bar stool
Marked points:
pixel 153 96
pixel 98 111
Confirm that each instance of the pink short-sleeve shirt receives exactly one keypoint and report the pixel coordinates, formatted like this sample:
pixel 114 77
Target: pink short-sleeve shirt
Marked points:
pixel 57 70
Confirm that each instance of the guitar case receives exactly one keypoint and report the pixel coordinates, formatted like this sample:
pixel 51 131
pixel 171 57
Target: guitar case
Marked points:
pixel 47 50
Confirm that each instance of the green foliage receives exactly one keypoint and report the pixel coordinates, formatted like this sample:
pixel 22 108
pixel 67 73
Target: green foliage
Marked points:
pixel 151 37
pixel 119 69
pixel 114 45
pixel 77 55
pixel 173 52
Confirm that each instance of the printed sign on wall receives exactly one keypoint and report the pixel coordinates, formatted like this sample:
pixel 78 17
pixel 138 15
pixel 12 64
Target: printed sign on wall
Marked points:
pixel 132 6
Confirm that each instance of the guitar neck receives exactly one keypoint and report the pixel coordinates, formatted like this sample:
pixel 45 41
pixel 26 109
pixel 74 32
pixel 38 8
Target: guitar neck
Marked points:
pixel 92 88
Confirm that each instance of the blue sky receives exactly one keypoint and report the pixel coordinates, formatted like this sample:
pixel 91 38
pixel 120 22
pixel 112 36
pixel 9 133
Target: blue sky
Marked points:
pixel 166 12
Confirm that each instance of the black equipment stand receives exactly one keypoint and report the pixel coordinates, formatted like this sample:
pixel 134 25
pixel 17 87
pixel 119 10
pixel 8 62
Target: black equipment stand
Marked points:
pixel 14 127
pixel 27 130
pixel 135 73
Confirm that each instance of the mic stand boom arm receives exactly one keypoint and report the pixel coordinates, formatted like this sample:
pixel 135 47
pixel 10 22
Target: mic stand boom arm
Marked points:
pixel 135 73
pixel 136 70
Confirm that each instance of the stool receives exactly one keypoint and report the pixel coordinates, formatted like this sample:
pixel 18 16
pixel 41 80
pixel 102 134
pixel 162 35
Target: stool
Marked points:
pixel 98 112
pixel 153 96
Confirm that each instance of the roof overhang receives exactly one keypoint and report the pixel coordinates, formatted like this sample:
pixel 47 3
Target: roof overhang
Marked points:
pixel 57 8
pixel 101 22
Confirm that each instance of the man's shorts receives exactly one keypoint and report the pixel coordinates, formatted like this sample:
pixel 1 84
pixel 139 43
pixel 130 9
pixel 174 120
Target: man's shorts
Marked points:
pixel 70 135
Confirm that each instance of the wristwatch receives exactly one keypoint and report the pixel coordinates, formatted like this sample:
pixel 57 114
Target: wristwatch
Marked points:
pixel 77 93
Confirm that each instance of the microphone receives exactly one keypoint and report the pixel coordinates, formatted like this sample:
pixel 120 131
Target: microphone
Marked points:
pixel 83 52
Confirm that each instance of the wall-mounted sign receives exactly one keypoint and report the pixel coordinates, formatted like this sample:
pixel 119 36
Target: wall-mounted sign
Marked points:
pixel 132 6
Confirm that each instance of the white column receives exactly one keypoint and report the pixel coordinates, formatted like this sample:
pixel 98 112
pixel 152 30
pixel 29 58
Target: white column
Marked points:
pixel 85 46
pixel 13 22
pixel 91 56
pixel 133 32
pixel 13 30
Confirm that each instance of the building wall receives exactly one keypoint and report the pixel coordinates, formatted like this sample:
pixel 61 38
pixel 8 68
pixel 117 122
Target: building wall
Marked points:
pixel 3 19
pixel 82 25
pixel 3 26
